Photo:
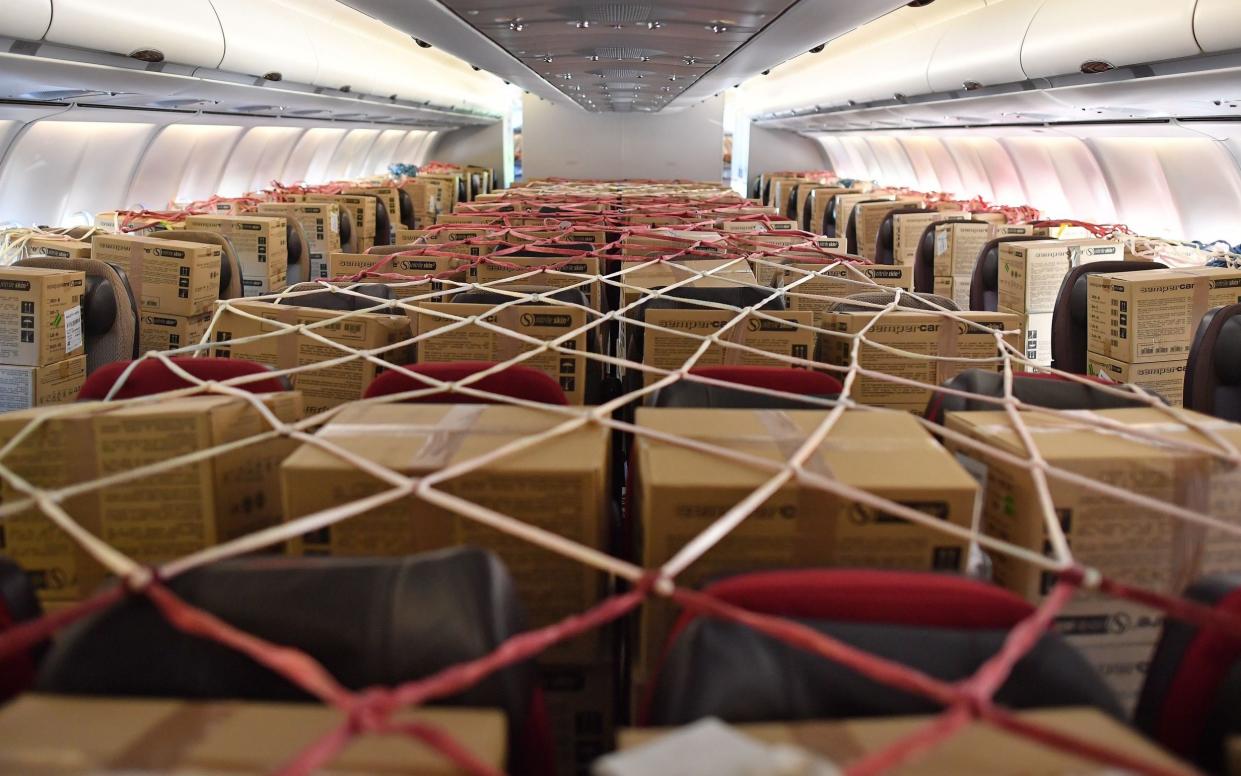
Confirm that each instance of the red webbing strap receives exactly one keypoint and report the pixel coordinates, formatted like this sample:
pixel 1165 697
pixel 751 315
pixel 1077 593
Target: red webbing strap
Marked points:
pixel 1182 609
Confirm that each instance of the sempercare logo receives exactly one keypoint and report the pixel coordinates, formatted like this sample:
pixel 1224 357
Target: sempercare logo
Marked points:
pixel 545 319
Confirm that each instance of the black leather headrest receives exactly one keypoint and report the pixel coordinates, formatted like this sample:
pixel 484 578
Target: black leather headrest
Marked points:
pixel 408 218
pixel 851 235
pixel 346 227
pixel 98 306
pixel 369 621
pixel 790 205
pixel 1228 353
pixel 885 241
pixel 1039 391
pixel 327 300
pixel 690 393
pixel 722 669
pixel 829 217
pixel 293 236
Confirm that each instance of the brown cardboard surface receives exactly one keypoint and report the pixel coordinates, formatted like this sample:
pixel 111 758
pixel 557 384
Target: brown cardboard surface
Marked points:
pixel 682 491
pixel 1166 378
pixel 416 268
pixel 956 288
pixel 1147 316
pixel 167 276
pixel 559 485
pixel 908 228
pixel 40 315
pixel 361 209
pixel 326 387
pixel 1031 273
pixel 870 217
pixel 640 277
pixel 63 248
pixel 154 519
pixel 834 284
pixel 1036 334
pixel 1125 542
pixel 22 387
pixel 957 247
pixel 581 706
pixel 845 204
pixel 663 347
pixel 919 335
pixel 48 735
pixel 321 225
pixel 978 749
pixel 261 244
pixel 170 332
pixel 570 271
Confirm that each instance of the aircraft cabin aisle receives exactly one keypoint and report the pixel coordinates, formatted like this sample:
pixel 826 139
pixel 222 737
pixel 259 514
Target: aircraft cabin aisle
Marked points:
pixel 781 387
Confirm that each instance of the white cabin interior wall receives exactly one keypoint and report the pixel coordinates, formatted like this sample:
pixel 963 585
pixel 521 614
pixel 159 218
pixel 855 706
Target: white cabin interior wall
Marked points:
pixel 779 149
pixel 568 142
pixel 483 146
pixel 60 166
pixel 1178 181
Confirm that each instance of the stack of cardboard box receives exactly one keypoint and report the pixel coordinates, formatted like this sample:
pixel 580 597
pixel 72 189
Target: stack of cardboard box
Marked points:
pixel 1142 324
pixel 176 284
pixel 957 247
pixel 42 344
pixel 261 244
pixel 1031 274
pixel 320 223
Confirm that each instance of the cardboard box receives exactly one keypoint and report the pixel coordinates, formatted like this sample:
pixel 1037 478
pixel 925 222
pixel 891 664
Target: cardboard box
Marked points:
pixel 362 210
pixel 1125 542
pixel 1166 378
pixel 167 276
pixel 391 196
pixel 261 244
pixel 956 288
pixel 663 347
pixel 870 217
pixel 477 343
pixel 560 485
pixel 640 278
pixel 321 225
pixel 54 735
pixel 581 705
pixel 170 332
pixel 957 247
pixel 919 336
pixel 40 315
pixel 62 248
pixel 1150 316
pixel 323 387
pixel 979 748
pixel 154 519
pixel 1036 332
pixel 1031 273
pixel 680 492
pixel 421 269
pixel 845 204
pixel 572 271
pixel 908 228
pixel 833 284
pixel 23 387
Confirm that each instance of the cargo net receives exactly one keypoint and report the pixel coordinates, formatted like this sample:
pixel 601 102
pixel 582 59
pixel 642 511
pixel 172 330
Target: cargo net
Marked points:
pixel 371 711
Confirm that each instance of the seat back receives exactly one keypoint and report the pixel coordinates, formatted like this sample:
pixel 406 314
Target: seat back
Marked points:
pixel 517 381
pixel 231 286
pixel 1213 375
pixel 109 309
pixel 851 235
pixel 985 282
pixel 1041 390
pixel 924 257
pixel 152 376
pixel 829 227
pixel 885 241
pixel 690 393
pixel 299 251
pixel 408 217
pixel 1191 699
pixel 335 300
pixel 18 604
pixel 789 207
pixel 945 626
pixel 348 238
pixel 1069 319
pixel 369 621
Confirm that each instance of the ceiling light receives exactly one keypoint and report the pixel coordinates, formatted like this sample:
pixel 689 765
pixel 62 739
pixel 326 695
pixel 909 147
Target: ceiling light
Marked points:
pixel 547 59
pixel 654 25
pixel 717 28
pixel 516 25
pixel 582 25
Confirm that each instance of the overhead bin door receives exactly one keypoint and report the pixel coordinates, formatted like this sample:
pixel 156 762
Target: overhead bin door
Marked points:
pixel 895 67
pixel 187 31
pixel 262 38
pixel 984 47
pixel 25 19
pixel 1217 24
pixel 1066 34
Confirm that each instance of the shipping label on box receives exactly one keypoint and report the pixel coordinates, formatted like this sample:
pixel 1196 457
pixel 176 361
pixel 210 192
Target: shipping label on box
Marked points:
pixel 40 315
pixel 681 492
pixel 156 518
pixel 957 247
pixel 1031 273
pixel 171 332
pixel 167 276
pixel 321 225
pixel 925 346
pixel 261 244
pixel 1126 542
pixel 663 347
pixel 1152 315
pixel 560 485
pixel 23 387
pixel 324 387
pixel 1166 378
pixel 907 230
pixel 473 342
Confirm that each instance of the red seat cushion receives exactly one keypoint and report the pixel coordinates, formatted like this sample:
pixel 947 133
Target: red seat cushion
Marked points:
pixel 152 376
pixel 518 382
pixel 799 381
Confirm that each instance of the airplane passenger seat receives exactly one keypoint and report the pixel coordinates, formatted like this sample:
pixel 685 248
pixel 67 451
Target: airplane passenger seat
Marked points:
pixel 299 251
pixel 408 218
pixel 109 309
pixel 152 376
pixel 515 381
pixel 370 622
pixel 1070 318
pixel 985 283
pixel 942 625
pixel 885 242
pixel 804 382
pixel 851 235
pixel 1039 389
pixel 231 286
pixel 1213 374
pixel 924 258
pixel 18 604
pixel 1191 699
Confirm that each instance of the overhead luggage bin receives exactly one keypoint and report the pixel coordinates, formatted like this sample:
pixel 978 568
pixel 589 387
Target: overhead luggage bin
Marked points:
pixel 25 19
pixel 1217 25
pixel 1069 36
pixel 984 48
pixel 266 39
pixel 188 35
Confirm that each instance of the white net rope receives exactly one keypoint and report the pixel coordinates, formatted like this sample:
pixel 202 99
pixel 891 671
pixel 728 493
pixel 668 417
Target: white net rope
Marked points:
pixel 415 293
